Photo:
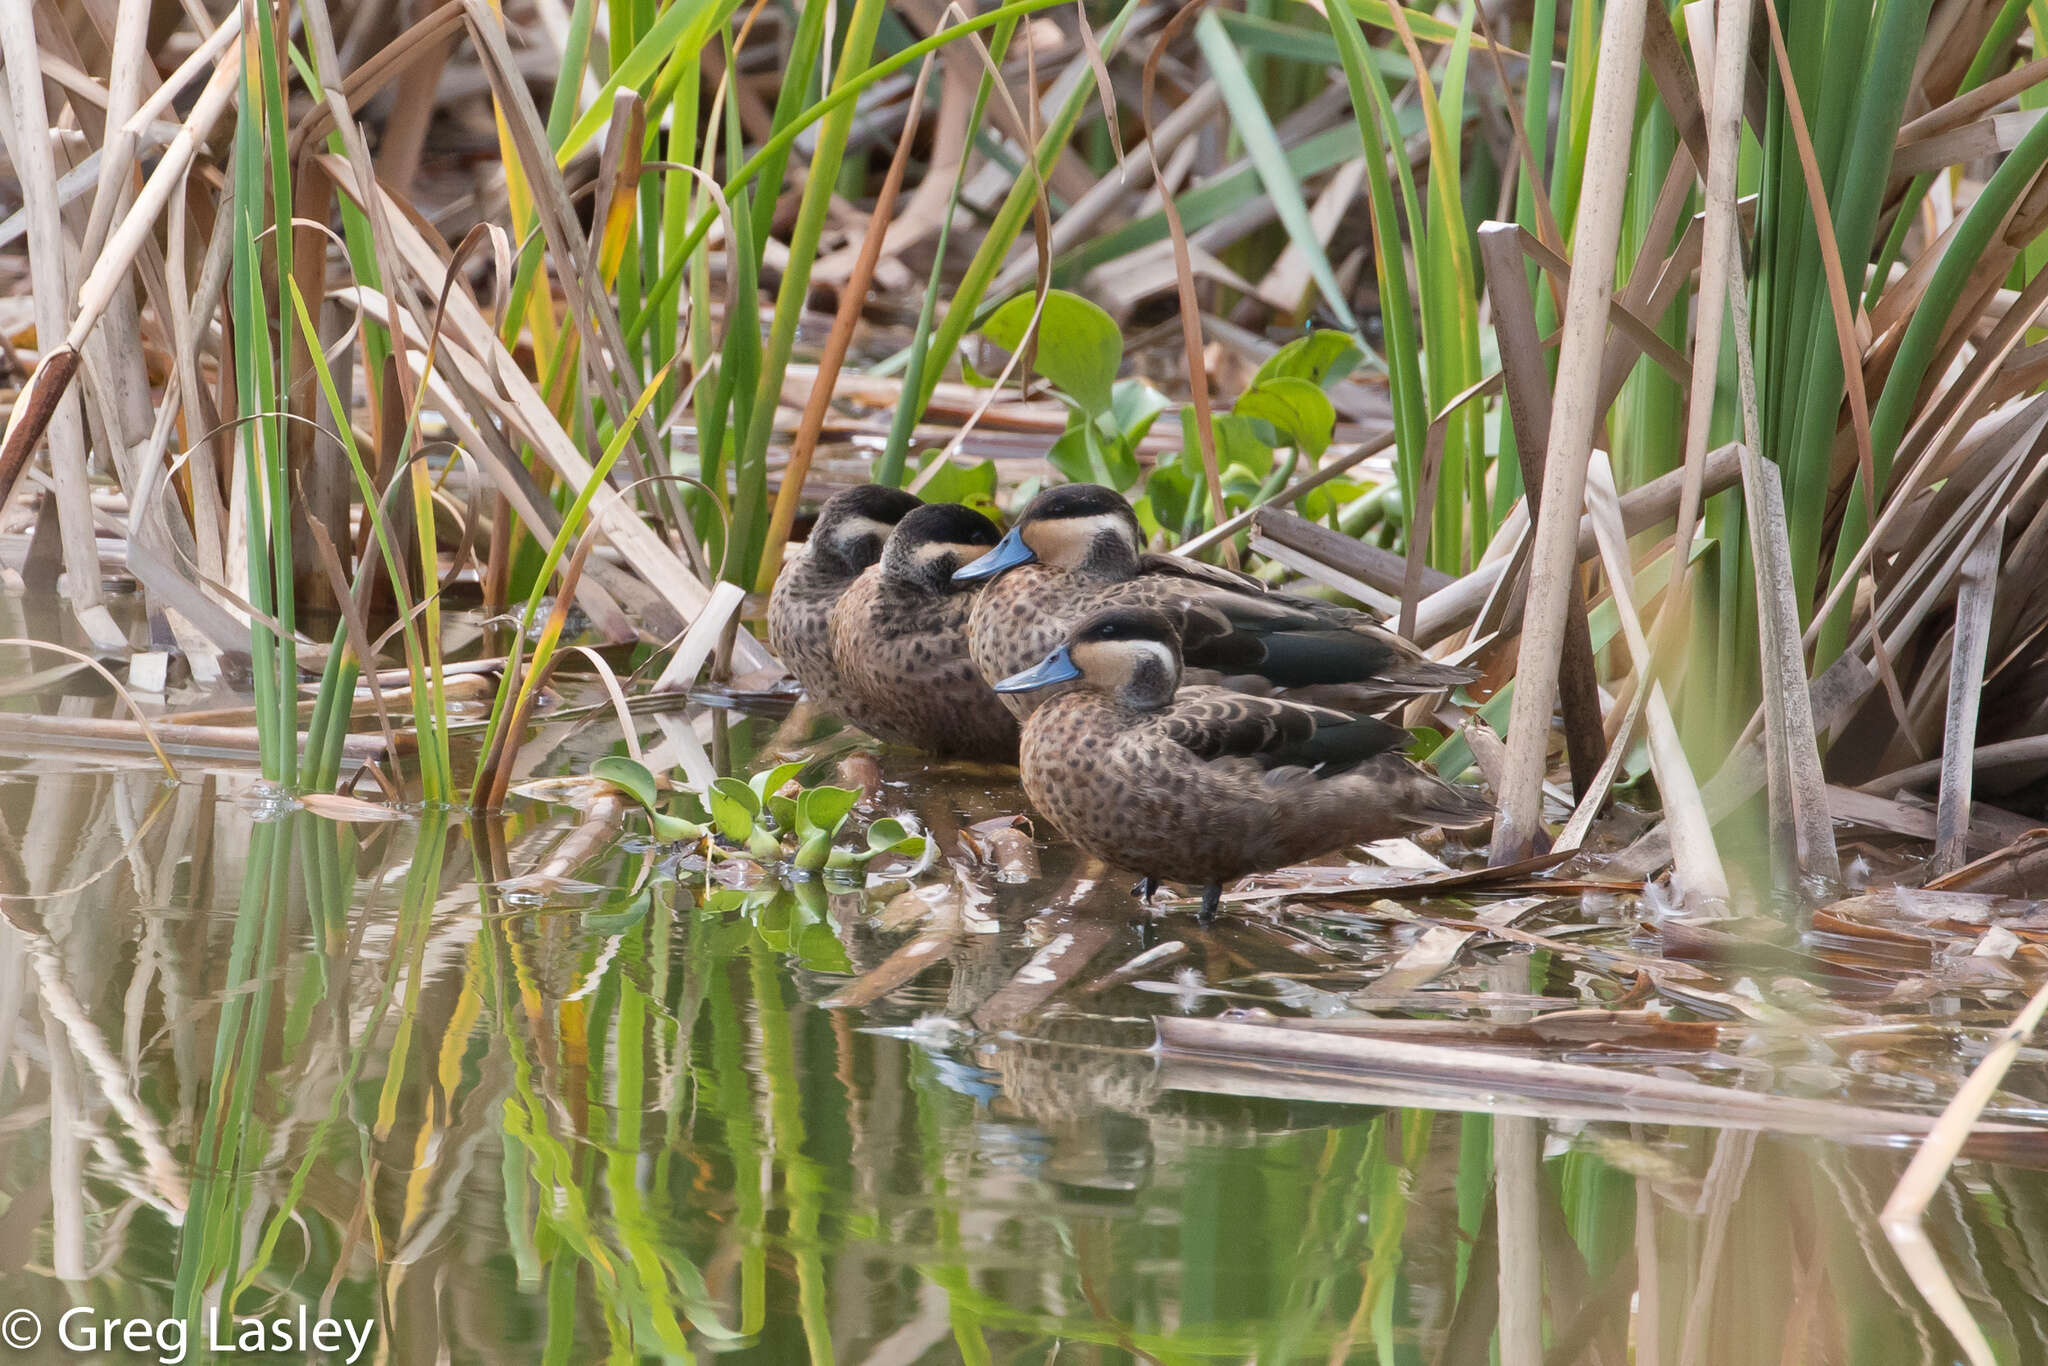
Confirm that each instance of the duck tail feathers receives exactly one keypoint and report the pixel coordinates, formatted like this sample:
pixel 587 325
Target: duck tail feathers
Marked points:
pixel 1426 800
pixel 1425 675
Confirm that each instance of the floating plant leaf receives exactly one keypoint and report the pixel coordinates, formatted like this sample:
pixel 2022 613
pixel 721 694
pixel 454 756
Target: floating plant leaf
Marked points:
pixel 890 835
pixel 734 808
pixel 674 829
pixel 1134 405
pixel 819 950
pixel 953 482
pixel 630 776
pixel 1079 345
pixel 1301 413
pixel 1322 358
pixel 771 780
pixel 619 919
pixel 815 851
pixel 824 809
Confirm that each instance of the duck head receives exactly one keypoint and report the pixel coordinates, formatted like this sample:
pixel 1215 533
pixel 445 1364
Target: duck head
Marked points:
pixel 1130 653
pixel 853 525
pixel 934 541
pixel 1083 527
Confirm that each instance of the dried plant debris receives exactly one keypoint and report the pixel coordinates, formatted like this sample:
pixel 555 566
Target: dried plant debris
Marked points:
pixel 1868 1018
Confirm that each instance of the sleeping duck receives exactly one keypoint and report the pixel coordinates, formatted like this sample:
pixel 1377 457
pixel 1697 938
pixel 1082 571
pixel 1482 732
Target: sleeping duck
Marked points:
pixel 847 539
pixel 1204 785
pixel 899 641
pixel 1077 549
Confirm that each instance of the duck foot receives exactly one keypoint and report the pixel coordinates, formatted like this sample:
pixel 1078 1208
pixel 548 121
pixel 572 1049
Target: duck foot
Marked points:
pixel 1212 900
pixel 1145 888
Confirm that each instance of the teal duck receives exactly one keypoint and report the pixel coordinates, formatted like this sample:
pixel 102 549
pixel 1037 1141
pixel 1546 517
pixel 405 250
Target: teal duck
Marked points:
pixel 847 539
pixel 899 642
pixel 1077 549
pixel 1204 785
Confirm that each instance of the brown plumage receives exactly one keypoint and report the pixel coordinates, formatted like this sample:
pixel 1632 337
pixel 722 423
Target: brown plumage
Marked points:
pixel 847 539
pixel 1202 785
pixel 900 646
pixel 1078 550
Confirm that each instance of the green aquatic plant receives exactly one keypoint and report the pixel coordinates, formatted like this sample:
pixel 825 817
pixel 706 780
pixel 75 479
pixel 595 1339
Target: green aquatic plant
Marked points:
pixel 1283 417
pixel 1078 348
pixel 769 818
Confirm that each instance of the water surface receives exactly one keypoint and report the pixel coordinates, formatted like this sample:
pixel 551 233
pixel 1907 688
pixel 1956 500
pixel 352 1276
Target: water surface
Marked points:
pixel 399 1072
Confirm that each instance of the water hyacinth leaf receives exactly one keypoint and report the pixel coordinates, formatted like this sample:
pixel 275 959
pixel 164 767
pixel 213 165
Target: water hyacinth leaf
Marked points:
pixel 1237 442
pixel 782 810
pixel 814 852
pixel 1084 457
pixel 1322 358
pixel 734 808
pixel 892 835
pixel 1133 407
pixel 617 918
pixel 1079 345
pixel 1169 502
pixel 825 809
pixel 1299 411
pixel 689 806
pixel 674 829
pixel 770 780
pixel 630 776
pixel 1109 454
pixel 819 950
pixel 950 481
pixel 1087 454
pixel 1326 500
pixel 1241 484
pixel 725 900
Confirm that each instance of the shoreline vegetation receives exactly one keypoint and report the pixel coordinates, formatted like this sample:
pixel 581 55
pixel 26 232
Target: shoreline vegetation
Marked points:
pixel 408 409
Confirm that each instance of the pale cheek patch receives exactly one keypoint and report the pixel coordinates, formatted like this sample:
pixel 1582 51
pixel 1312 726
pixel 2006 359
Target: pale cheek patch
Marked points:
pixel 941 550
pixel 1114 667
pixel 855 529
pixel 1160 657
pixel 1068 540
pixel 1151 666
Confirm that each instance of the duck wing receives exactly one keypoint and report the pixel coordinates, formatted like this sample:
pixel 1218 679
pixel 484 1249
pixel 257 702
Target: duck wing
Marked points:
pixel 1293 642
pixel 1196 571
pixel 1213 725
pixel 1232 625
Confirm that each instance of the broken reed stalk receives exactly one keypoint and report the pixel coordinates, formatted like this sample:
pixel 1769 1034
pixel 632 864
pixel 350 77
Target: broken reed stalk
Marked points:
pixel 1718 254
pixel 1594 245
pixel 1237 522
pixel 1456 605
pixel 1797 785
pixel 1528 398
pixel 1972 638
pixel 1260 1059
pixel 1697 862
pixel 1904 1213
pixel 1518 1199
pixel 1733 1149
pixel 35 166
